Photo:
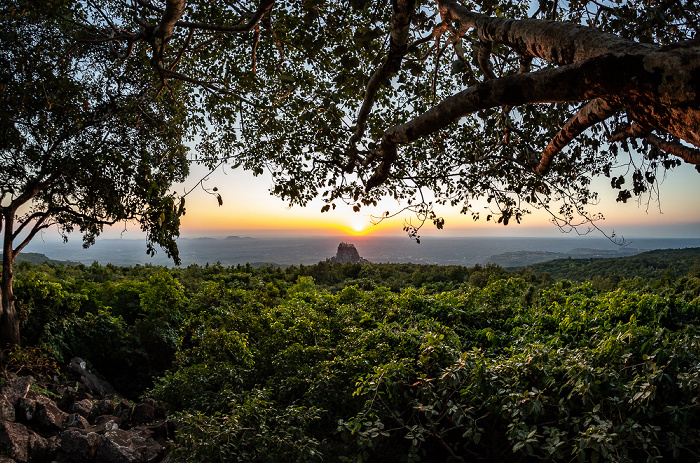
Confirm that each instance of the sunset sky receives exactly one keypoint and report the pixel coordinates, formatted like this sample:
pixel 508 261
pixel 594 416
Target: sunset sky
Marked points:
pixel 248 209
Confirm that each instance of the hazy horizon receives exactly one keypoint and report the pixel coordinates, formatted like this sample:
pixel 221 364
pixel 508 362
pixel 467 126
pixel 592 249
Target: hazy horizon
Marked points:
pixel 307 250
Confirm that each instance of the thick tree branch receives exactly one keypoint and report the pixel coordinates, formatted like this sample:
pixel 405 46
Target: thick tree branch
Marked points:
pixel 38 226
pixel 620 79
pixel 590 114
pixel 688 154
pixel 263 8
pixel 635 130
pixel 25 222
pixel 484 59
pixel 174 9
pixel 402 10
pixel 553 41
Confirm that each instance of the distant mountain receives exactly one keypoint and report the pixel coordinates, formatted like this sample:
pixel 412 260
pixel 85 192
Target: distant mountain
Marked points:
pixel 587 253
pixel 650 264
pixel 347 253
pixel 518 259
pixel 38 259
pixel 235 237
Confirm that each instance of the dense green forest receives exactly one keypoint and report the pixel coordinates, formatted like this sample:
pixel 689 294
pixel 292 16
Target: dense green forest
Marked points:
pixel 650 264
pixel 389 362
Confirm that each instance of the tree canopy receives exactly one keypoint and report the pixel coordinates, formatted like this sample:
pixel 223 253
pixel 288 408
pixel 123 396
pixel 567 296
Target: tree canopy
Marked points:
pixel 83 143
pixel 520 102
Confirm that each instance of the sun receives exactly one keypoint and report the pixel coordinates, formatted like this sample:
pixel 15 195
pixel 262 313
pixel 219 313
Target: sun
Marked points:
pixel 359 225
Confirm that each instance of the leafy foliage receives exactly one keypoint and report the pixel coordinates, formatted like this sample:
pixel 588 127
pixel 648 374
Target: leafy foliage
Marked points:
pixel 669 263
pixel 339 77
pixel 82 145
pixel 502 366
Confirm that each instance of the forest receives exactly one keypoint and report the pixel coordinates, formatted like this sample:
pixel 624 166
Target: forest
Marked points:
pixel 383 362
pixel 106 105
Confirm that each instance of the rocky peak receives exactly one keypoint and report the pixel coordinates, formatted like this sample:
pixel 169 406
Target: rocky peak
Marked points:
pixel 348 254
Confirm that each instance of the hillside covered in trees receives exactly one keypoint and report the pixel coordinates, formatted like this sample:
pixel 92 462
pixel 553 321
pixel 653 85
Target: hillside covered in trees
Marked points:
pixel 651 264
pixel 383 362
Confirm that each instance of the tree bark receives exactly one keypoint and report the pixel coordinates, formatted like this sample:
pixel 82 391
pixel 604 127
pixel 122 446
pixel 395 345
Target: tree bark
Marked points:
pixel 9 318
pixel 553 41
pixel 591 113
pixel 402 11
pixel 660 90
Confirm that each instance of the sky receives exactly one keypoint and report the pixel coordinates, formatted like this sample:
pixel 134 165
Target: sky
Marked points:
pixel 249 210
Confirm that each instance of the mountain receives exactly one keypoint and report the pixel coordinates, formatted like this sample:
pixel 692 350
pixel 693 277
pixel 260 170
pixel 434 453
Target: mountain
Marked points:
pixel 518 259
pixel 650 264
pixel 348 254
pixel 38 259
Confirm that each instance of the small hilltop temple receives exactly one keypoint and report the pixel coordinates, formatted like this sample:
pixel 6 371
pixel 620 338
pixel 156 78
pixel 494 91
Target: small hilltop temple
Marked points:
pixel 348 254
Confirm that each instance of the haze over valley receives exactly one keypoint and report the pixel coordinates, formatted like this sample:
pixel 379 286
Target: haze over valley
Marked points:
pixel 285 251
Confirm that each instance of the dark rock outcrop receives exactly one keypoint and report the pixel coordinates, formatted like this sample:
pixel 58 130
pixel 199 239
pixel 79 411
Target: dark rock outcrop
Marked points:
pixel 78 427
pixel 93 384
pixel 348 254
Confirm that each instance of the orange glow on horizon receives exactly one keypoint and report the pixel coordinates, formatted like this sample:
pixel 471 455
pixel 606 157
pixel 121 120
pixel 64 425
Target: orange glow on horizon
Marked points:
pixel 297 221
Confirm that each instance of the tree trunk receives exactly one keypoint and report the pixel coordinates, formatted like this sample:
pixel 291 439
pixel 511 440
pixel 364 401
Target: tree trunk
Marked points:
pixel 9 318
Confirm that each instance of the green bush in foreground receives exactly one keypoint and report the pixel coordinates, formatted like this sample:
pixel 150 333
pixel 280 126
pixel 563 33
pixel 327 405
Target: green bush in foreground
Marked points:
pixel 505 373
pixel 263 365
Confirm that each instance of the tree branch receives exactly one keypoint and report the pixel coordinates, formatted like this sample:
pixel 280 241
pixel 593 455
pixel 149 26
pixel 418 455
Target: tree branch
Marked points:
pixel 484 59
pixel 26 221
pixel 174 9
pixel 402 10
pixel 635 130
pixel 38 226
pixel 553 41
pixel 689 155
pixel 590 114
pixel 575 82
pixel 263 8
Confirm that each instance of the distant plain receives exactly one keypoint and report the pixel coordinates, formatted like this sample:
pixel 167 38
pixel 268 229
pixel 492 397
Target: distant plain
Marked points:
pixel 287 251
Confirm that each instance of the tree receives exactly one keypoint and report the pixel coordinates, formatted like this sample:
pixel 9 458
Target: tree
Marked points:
pixel 522 102
pixel 84 143
pixel 516 101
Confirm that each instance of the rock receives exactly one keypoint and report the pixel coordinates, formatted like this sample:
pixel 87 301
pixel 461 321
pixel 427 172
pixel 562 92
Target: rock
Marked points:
pixel 123 412
pixel 26 408
pixel 48 416
pixel 104 423
pixel 14 441
pixel 104 407
pixel 53 445
pixel 36 429
pixel 78 446
pixel 117 447
pixel 70 396
pixel 149 449
pixel 162 431
pixel 84 408
pixel 16 388
pixel 93 384
pixel 348 254
pixel 7 410
pixel 22 444
pixel 76 420
pixel 42 411
pixel 143 413
pixel 161 411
